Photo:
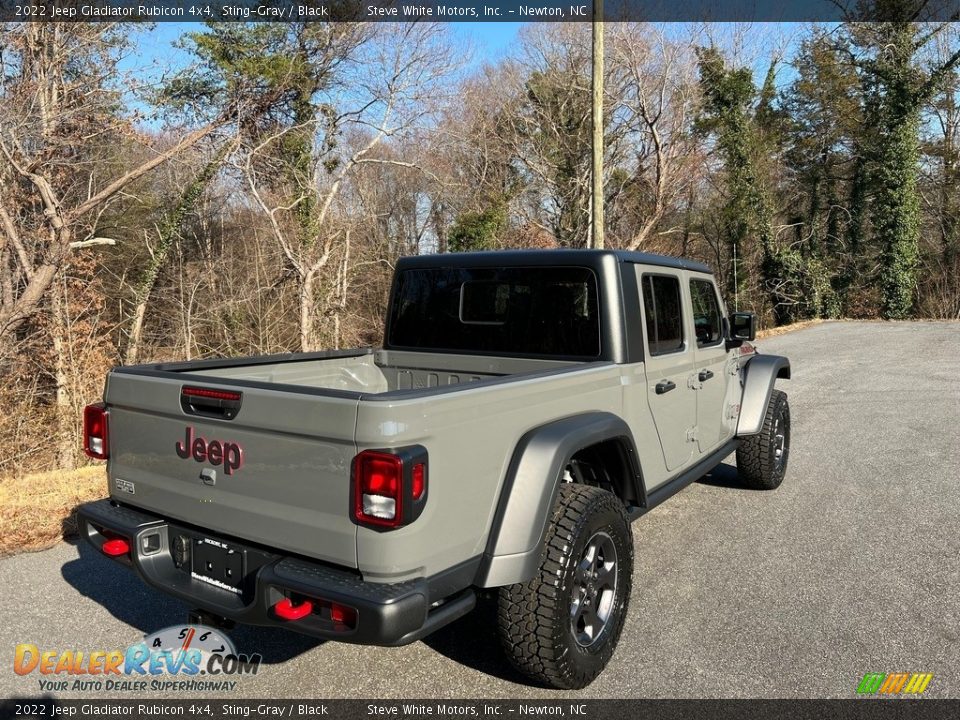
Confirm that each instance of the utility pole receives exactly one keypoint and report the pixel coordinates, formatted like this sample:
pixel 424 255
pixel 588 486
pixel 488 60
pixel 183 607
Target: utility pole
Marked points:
pixel 596 190
pixel 736 285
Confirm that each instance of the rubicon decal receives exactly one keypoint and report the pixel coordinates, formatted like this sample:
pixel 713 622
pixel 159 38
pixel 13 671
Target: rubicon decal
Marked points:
pixel 894 683
pixel 214 452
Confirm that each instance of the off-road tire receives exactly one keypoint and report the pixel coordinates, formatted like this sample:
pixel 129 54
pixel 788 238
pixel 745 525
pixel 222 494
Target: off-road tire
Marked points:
pixel 762 458
pixel 535 618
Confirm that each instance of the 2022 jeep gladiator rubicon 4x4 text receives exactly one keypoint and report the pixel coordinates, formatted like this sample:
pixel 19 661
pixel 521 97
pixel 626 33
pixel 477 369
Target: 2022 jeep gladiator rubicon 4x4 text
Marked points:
pixel 525 407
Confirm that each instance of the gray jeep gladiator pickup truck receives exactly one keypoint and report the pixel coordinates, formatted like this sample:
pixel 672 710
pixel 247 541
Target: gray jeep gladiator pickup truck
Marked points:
pixel 525 407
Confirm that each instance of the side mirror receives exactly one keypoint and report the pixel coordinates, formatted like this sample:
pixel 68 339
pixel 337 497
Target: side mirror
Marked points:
pixel 743 326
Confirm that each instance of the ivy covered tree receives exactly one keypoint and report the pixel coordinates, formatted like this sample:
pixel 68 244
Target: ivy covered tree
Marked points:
pixel 478 230
pixel 743 121
pixel 899 85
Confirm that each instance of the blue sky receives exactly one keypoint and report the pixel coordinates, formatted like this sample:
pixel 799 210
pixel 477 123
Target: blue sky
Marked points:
pixel 490 40
pixel 154 49
pixel 154 52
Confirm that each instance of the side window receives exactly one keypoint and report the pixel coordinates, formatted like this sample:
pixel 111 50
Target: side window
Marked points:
pixel 662 309
pixel 706 312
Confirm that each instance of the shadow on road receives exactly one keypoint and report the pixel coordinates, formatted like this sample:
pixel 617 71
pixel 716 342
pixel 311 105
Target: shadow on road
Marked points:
pixel 472 641
pixel 724 476
pixel 68 527
pixel 128 599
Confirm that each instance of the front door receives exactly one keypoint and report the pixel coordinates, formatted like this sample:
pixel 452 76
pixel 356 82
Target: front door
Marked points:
pixel 669 366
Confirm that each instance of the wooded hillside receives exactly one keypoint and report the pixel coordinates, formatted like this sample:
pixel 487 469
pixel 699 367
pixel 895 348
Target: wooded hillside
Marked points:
pixel 256 200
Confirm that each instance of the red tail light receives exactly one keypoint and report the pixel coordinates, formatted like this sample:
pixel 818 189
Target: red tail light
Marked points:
pixel 96 442
pixel 377 496
pixel 389 487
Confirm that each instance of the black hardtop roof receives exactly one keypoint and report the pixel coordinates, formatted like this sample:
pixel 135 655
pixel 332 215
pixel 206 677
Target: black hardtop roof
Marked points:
pixel 546 258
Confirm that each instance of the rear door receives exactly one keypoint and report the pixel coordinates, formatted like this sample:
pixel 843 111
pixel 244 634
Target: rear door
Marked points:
pixel 276 473
pixel 668 363
pixel 710 361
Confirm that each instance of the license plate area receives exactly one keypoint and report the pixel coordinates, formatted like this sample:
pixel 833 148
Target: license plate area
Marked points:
pixel 218 563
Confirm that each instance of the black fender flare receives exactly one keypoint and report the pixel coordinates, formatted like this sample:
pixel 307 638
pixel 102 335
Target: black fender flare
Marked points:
pixel 760 373
pixel 530 488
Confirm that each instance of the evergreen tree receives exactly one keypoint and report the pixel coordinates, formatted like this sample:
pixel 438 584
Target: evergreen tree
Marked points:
pixel 824 106
pixel 558 130
pixel 743 121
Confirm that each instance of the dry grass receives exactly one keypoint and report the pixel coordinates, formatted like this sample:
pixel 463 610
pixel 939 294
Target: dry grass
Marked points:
pixel 773 332
pixel 36 511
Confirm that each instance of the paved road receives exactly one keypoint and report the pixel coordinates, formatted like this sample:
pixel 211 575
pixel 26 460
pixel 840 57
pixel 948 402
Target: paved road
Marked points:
pixel 853 565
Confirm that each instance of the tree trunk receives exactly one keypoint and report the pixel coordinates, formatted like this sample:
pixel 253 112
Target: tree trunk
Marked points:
pixel 6 281
pixel 852 267
pixel 306 311
pixel 136 330
pixel 950 194
pixel 897 214
pixel 343 286
pixel 64 406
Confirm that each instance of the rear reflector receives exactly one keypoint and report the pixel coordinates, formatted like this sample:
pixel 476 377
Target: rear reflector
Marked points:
pixel 343 615
pixel 115 547
pixel 286 610
pixel 419 480
pixel 95 431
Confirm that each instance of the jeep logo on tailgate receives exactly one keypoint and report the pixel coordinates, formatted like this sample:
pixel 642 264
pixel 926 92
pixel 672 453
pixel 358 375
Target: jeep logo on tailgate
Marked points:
pixel 214 452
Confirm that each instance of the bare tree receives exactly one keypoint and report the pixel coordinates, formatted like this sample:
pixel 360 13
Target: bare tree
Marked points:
pixel 58 132
pixel 394 81
pixel 552 127
pixel 655 99
pixel 61 105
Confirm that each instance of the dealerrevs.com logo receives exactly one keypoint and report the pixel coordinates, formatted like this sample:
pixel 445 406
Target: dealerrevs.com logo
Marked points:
pixel 171 659
pixel 894 683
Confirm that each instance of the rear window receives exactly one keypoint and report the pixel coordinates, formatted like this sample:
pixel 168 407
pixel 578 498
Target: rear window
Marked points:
pixel 538 311
pixel 661 305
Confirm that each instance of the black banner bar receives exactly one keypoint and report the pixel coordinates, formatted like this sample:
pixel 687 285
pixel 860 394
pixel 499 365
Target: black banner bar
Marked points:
pixel 473 11
pixel 571 709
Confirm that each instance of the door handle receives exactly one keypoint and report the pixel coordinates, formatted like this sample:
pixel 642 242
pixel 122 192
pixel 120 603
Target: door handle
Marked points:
pixel 705 375
pixel 665 386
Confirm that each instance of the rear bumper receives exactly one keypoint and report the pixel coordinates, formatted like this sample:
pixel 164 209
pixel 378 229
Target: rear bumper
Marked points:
pixel 385 614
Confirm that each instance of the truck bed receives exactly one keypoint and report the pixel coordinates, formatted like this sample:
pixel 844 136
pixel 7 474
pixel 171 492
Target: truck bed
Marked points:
pixel 370 372
pixel 304 417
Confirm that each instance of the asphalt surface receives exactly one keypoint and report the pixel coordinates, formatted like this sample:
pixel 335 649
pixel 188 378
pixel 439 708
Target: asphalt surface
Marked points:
pixel 852 566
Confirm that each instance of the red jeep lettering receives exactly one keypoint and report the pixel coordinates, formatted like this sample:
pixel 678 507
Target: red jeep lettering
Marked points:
pixel 214 452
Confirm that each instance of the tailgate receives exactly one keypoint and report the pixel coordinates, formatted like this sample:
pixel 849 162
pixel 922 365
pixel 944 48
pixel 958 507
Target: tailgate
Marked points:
pixel 278 473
